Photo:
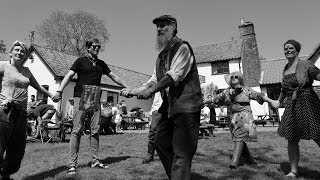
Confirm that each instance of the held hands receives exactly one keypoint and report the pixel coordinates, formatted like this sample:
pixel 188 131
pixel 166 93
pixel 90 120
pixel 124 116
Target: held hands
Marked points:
pixel 145 94
pixel 126 93
pixel 56 97
pixel 275 104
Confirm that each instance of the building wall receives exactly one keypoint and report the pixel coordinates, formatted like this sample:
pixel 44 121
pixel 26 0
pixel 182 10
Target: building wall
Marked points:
pixel 45 77
pixel 204 69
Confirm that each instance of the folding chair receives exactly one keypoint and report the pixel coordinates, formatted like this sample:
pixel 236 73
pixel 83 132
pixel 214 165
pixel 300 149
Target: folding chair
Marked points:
pixel 52 133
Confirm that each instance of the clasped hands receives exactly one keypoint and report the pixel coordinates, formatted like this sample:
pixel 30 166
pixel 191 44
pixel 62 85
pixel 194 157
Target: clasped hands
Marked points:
pixel 275 104
pixel 143 94
pixel 56 97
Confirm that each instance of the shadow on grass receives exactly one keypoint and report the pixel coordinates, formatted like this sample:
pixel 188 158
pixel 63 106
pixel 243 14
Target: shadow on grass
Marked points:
pixel 195 176
pixel 303 172
pixel 46 174
pixel 108 160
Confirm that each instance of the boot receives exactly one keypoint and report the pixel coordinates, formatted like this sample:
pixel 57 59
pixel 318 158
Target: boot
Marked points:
pixel 238 146
pixel 148 159
pixel 248 159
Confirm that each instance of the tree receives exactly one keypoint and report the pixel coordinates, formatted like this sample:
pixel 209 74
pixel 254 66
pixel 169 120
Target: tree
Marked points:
pixel 209 89
pixel 68 32
pixel 2 47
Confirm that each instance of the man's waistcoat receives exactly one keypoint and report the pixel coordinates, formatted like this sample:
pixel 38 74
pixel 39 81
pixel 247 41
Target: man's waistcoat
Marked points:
pixel 186 96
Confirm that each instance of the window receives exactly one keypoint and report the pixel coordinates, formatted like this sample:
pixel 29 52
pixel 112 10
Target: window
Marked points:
pixel 220 67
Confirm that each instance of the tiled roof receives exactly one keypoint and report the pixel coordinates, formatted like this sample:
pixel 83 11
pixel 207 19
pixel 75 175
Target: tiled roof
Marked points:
pixel 272 70
pixel 218 52
pixel 60 64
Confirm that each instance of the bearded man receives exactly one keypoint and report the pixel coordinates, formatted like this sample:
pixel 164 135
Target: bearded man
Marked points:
pixel 176 77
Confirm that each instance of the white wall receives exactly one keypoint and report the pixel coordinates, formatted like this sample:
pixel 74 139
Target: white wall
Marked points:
pixel 204 69
pixel 45 77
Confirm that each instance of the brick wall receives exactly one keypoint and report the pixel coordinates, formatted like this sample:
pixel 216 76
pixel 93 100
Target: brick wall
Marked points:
pixel 250 55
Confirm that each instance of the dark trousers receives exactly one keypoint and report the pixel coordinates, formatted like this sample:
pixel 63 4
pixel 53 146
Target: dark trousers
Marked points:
pixel 176 143
pixel 12 140
pixel 155 117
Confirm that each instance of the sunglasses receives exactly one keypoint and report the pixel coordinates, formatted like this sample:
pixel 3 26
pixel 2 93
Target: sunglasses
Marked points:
pixel 234 77
pixel 96 46
pixel 162 25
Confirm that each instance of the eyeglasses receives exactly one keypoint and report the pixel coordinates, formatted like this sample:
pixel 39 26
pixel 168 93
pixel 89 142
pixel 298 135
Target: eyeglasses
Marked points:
pixel 234 77
pixel 162 25
pixel 96 46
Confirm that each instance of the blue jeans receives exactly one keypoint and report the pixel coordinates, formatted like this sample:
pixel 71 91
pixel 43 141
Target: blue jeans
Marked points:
pixel 78 127
pixel 176 143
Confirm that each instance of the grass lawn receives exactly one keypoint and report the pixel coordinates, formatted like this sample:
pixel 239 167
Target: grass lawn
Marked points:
pixel 124 153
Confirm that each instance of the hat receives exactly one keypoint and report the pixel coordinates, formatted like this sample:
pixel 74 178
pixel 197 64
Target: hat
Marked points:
pixel 236 73
pixel 165 18
pixel 71 99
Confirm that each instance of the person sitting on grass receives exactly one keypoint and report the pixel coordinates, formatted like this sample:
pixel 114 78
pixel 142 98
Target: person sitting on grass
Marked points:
pixel 237 99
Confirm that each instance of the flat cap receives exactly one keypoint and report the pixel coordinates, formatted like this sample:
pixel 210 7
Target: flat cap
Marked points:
pixel 165 18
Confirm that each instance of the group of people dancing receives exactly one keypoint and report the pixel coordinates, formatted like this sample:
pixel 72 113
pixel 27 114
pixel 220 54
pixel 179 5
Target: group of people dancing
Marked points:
pixel 176 83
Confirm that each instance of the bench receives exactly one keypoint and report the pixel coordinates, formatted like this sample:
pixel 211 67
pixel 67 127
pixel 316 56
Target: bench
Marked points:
pixel 138 125
pixel 204 127
pixel 260 122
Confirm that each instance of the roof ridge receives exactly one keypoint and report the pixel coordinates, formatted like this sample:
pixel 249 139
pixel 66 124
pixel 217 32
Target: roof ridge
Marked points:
pixel 277 59
pixel 128 69
pixel 52 50
pixel 221 42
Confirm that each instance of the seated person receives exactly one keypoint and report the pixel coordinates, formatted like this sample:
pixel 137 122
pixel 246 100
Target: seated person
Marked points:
pixel 41 112
pixel 138 114
pixel 205 115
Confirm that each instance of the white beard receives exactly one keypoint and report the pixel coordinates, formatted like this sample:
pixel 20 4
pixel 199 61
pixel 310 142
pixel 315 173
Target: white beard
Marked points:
pixel 163 40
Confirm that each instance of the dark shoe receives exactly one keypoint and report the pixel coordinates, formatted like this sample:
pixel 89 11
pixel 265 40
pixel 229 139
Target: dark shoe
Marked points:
pixel 232 167
pixel 147 159
pixel 72 170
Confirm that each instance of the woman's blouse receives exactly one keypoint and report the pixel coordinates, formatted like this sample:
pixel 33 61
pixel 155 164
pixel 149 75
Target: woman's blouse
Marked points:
pixel 14 84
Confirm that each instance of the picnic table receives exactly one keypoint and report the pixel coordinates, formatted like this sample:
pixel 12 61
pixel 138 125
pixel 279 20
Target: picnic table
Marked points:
pixel 204 127
pixel 262 119
pixel 222 121
pixel 131 122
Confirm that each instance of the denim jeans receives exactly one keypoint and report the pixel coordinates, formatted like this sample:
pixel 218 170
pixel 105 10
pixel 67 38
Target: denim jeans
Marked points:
pixel 176 143
pixel 78 128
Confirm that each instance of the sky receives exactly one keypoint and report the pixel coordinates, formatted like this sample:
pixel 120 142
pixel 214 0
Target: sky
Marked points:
pixel 132 34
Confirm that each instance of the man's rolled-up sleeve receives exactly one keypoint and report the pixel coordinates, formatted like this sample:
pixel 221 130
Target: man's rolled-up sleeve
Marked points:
pixel 181 64
pixel 153 77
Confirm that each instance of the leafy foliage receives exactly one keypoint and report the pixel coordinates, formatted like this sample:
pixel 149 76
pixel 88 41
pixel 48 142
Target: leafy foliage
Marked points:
pixel 209 89
pixel 2 47
pixel 67 32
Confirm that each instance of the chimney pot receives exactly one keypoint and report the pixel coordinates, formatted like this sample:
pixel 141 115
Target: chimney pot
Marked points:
pixel 241 21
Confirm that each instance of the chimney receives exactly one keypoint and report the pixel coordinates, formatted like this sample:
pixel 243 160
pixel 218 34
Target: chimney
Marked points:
pixel 249 54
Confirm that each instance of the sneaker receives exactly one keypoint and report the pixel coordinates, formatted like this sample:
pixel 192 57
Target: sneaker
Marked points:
pixel 71 170
pixel 98 164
